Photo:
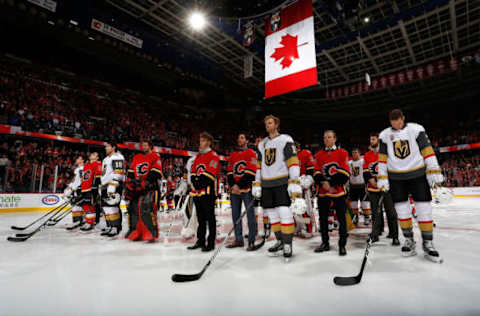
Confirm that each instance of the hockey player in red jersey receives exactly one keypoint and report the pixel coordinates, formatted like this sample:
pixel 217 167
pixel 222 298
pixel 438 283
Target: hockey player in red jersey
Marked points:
pixel 307 165
pixel 142 192
pixel 169 194
pixel 204 176
pixel 92 171
pixel 331 174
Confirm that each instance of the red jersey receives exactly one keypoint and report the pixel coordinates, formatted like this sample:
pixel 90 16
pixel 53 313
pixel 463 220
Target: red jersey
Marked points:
pixel 143 164
pixel 240 163
pixel 91 172
pixel 170 187
pixel 332 166
pixel 370 169
pixel 307 163
pixel 207 164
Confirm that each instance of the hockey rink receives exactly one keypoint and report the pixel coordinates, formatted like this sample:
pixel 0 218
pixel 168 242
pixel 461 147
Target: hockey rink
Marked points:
pixel 58 272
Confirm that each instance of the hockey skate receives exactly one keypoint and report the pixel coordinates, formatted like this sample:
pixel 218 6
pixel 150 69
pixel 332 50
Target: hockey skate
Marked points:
pixel 408 248
pixel 355 220
pixel 106 231
pixel 430 252
pixel 366 220
pixel 75 225
pixel 87 227
pixel 287 252
pixel 113 231
pixel 275 250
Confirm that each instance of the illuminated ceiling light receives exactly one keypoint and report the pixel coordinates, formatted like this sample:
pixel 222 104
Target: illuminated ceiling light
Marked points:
pixel 73 22
pixel 91 38
pixel 51 22
pixel 197 20
pixel 366 19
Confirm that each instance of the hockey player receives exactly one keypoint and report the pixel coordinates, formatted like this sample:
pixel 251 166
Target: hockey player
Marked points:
pixel 307 165
pixel 204 175
pixel 331 174
pixel 92 171
pixel 169 194
pixel 408 165
pixel 277 182
pixel 370 171
pixel 357 188
pixel 142 190
pixel 73 193
pixel 241 171
pixel 113 176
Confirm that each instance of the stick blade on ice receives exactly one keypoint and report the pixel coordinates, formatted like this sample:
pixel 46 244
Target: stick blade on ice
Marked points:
pixel 345 281
pixel 185 277
pixel 17 239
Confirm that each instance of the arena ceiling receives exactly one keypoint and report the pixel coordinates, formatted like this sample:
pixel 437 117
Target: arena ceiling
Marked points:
pixel 400 34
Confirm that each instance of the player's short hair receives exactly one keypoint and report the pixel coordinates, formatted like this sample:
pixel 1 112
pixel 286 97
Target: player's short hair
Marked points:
pixel 374 134
pixel 356 149
pixel 112 143
pixel 81 156
pixel 274 118
pixel 207 136
pixel 244 133
pixel 331 131
pixel 395 114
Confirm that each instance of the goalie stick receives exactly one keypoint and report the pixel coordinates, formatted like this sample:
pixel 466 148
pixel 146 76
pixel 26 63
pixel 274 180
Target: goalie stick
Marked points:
pixel 38 219
pixel 193 277
pixel 338 280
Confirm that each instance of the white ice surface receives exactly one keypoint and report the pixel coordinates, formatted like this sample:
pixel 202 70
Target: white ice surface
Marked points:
pixel 63 273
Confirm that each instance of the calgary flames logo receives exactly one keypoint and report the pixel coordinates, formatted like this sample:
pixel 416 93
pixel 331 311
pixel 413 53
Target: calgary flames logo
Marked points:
pixel 401 148
pixel 200 169
pixel 141 169
pixel 86 175
pixel 239 168
pixel 330 169
pixel 270 156
pixel 373 167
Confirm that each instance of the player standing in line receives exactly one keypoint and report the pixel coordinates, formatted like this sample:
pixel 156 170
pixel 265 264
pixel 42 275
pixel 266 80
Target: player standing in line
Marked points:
pixel 204 175
pixel 307 165
pixel 73 193
pixel 92 171
pixel 331 174
pixel 357 188
pixel 277 182
pixel 142 190
pixel 408 165
pixel 113 176
pixel 241 171
pixel 370 171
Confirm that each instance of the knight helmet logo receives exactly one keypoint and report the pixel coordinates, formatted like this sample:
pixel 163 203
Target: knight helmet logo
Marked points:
pixel 401 148
pixel 270 156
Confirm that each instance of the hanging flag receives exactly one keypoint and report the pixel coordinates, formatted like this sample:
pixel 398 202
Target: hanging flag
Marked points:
pixel 290 60
pixel 248 33
pixel 247 66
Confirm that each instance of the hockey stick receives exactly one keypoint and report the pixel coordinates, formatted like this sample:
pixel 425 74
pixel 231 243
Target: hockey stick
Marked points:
pixel 23 237
pixel 57 220
pixel 356 279
pixel 38 219
pixel 193 277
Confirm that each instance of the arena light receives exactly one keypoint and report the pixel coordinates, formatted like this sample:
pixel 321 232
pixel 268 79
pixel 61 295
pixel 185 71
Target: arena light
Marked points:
pixel 197 20
pixel 51 22
pixel 366 19
pixel 74 22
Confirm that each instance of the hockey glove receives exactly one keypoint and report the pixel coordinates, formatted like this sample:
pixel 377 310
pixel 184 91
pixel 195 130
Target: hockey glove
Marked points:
pixel 294 189
pixel 383 183
pixel 306 181
pixel 434 177
pixel 257 190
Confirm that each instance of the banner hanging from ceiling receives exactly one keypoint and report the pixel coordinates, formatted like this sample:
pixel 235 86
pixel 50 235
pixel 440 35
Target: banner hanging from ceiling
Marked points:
pixel 290 59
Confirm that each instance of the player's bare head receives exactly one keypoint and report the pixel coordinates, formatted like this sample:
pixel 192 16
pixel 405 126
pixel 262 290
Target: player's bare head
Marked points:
pixel 329 138
pixel 93 156
pixel 374 139
pixel 242 139
pixel 79 161
pixel 146 146
pixel 272 123
pixel 397 119
pixel 206 140
pixel 356 153
pixel 110 147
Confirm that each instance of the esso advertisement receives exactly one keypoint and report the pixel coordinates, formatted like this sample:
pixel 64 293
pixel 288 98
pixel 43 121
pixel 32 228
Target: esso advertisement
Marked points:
pixel 51 199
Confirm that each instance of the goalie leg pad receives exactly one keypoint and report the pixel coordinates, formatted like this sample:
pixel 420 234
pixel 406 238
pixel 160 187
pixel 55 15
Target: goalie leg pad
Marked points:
pixel 148 216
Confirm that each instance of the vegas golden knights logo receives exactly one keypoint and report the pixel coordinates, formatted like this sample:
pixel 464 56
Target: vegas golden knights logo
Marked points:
pixel 356 171
pixel 402 148
pixel 270 156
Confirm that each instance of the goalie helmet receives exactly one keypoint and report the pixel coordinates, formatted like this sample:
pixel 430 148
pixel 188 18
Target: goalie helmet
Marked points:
pixel 443 195
pixel 112 199
pixel 299 206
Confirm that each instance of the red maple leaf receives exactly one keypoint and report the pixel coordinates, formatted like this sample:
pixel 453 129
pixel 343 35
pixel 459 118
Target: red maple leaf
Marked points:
pixel 288 52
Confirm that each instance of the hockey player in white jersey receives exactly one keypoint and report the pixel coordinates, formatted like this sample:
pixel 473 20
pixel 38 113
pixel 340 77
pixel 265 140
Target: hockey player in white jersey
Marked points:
pixel 408 165
pixel 73 193
pixel 277 182
pixel 357 193
pixel 113 177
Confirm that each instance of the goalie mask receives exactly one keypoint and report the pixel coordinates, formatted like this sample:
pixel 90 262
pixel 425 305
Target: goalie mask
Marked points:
pixel 112 199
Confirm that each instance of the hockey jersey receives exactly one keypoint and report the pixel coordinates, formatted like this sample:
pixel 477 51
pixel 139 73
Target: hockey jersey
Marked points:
pixel 241 169
pixel 143 165
pixel 92 172
pixel 307 163
pixel 77 179
pixel 356 172
pixel 404 153
pixel 113 169
pixel 331 165
pixel 188 166
pixel 276 156
pixel 204 174
pixel 370 169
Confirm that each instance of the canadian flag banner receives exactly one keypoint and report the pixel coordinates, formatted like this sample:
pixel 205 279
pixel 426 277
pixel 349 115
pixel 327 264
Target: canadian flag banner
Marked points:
pixel 290 59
